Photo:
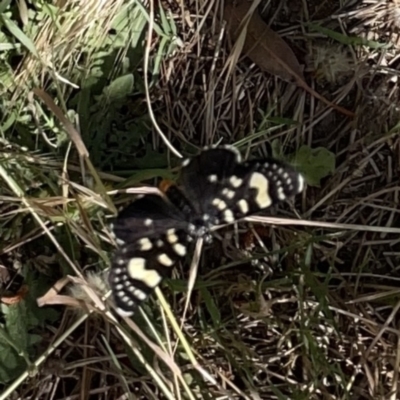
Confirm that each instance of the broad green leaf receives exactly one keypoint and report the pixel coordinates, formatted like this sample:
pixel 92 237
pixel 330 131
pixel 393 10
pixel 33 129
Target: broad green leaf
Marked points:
pixel 315 164
pixel 4 4
pixel 119 88
pixel 19 35
pixel 10 363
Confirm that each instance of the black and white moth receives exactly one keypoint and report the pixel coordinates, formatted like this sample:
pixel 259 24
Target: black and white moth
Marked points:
pixel 215 187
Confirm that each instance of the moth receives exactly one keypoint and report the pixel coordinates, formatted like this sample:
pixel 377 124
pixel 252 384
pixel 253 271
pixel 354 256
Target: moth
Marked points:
pixel 215 187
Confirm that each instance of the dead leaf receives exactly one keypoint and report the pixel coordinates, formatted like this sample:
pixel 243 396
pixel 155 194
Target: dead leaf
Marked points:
pixel 262 45
pixel 266 48
pixel 20 295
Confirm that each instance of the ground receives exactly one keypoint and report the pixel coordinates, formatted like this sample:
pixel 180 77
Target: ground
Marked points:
pixel 313 83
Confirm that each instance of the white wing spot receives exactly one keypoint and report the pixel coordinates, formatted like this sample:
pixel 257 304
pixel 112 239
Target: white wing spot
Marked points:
pixel 136 270
pixel 206 217
pixel 235 181
pixel 160 243
pixel 119 242
pixel 220 204
pixel 191 228
pixel 281 194
pixel 213 178
pixel 179 249
pixel 120 261
pixel 186 162
pixel 124 313
pixel 260 183
pixel 288 181
pixel 165 260
pixel 145 244
pixel 229 194
pixel 274 166
pixel 285 175
pixel 138 293
pixel 228 216
pixel 300 184
pixel 119 286
pixel 171 236
pixel 148 222
pixel 243 206
pixel 280 171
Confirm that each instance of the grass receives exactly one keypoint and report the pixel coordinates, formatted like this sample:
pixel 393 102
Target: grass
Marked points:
pixel 94 110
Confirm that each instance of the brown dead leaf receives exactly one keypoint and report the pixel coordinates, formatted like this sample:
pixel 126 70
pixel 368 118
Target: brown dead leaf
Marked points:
pixel 266 48
pixel 262 45
pixel 20 295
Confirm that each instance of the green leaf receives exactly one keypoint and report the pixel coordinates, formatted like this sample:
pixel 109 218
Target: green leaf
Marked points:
pixel 3 5
pixel 19 35
pixel 349 40
pixel 276 148
pixel 152 159
pixel 10 362
pixel 119 88
pixel 314 164
pixel 16 321
pixel 211 307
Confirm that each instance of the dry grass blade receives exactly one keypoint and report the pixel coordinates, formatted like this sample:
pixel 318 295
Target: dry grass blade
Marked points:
pixel 77 140
pixel 320 224
pixel 73 133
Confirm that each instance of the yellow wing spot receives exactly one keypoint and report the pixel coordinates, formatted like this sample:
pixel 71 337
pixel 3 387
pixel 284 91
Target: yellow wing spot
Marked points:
pixel 179 249
pixel 260 183
pixel 137 270
pixel 243 206
pixel 138 293
pixel 220 204
pixel 235 181
pixel 228 216
pixel 165 260
pixel 145 244
pixel 171 236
